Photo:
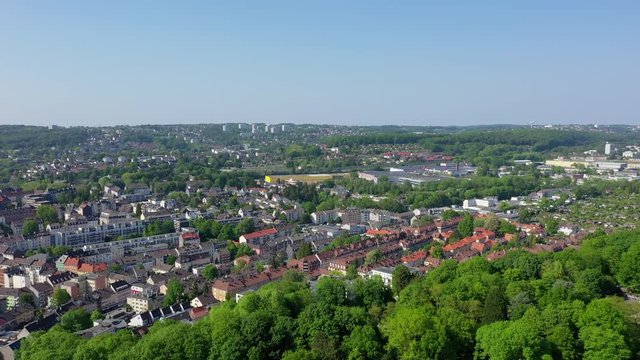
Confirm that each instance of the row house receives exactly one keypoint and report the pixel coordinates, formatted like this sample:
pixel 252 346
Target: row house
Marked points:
pixel 224 289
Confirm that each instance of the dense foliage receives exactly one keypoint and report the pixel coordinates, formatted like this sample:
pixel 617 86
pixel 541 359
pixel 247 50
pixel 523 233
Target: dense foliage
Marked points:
pixel 551 305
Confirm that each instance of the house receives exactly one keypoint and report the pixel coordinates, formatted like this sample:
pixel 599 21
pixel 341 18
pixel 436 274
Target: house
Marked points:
pixel 323 217
pixel 480 235
pixel 259 236
pixel 140 303
pixel 415 259
pixel 105 326
pixel 147 318
pixel 198 313
pixel 294 214
pixel 203 301
pixel 147 290
pixel 385 273
pixel 85 209
pixel 227 288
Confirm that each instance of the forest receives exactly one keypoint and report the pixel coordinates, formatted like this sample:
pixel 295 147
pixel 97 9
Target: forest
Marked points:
pixel 565 305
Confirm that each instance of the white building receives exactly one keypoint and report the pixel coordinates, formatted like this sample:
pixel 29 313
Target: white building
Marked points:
pixel 385 273
pixel 609 148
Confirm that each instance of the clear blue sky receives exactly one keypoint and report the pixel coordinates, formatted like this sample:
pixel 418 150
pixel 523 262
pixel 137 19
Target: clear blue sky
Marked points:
pixel 323 61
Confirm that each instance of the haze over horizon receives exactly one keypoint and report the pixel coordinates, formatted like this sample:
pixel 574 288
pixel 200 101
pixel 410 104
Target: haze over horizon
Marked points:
pixel 351 63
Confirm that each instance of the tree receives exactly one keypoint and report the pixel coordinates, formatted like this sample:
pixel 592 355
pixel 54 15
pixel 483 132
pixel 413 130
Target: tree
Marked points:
pixel 492 223
pixel 604 343
pixel 305 250
pixel 401 277
pixel 465 226
pixel 115 267
pixel 551 226
pixel 30 227
pixel 75 320
pixel 293 276
pixel 414 333
pixel 629 271
pixel 96 315
pixel 494 306
pixel 519 339
pixel 159 228
pixel 171 259
pixel 371 292
pixel 54 344
pixel 363 344
pixel 331 291
pixel 175 292
pixel 507 228
pixel 504 206
pixel 449 214
pixel 352 271
pixel 260 266
pixel 245 226
pixel 59 250
pixel 59 298
pixel 47 214
pixel 210 272
pixel 27 299
pixel 106 346
pixel 373 257
pixel 436 251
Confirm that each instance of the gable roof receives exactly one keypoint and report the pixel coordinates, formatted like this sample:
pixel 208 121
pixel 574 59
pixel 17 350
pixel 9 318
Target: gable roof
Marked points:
pixel 261 233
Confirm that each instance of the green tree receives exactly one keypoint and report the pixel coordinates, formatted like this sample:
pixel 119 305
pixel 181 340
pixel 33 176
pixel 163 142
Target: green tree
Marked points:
pixel 30 227
pixel 96 315
pixel 436 251
pixel 59 298
pixel 629 270
pixel 465 226
pixel 331 291
pixel 59 250
pixel 171 259
pixel 507 228
pixel 400 278
pixel 26 299
pixel 519 339
pixel 54 344
pixel 371 292
pixel 245 226
pixel 492 223
pixel 363 343
pixel 373 257
pixel 47 214
pixel 494 306
pixel 414 332
pixel 551 226
pixel 75 320
pixel 603 343
pixel 305 250
pixel 352 271
pixel 175 292
pixel 106 346
pixel 449 214
pixel 210 272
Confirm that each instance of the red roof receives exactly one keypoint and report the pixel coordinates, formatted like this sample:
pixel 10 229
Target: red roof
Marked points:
pixel 375 232
pixel 199 312
pixel 420 254
pixel 72 262
pixel 481 235
pixel 259 234
pixel 479 247
pixel 190 235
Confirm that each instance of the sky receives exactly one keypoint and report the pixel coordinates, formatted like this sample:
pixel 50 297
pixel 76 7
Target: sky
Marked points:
pixel 351 62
